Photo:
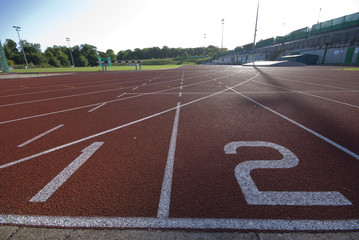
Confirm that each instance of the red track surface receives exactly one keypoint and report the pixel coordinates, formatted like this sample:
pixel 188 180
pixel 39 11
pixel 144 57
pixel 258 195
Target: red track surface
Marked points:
pixel 311 111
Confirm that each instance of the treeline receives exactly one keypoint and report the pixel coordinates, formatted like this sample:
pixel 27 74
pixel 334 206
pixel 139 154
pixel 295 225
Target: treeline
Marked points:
pixel 87 55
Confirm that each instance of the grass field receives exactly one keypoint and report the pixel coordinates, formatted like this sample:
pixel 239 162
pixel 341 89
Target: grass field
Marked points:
pixel 148 64
pixel 92 69
pixel 350 69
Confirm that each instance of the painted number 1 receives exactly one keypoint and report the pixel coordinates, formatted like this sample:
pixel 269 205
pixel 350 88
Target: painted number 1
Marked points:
pixel 255 197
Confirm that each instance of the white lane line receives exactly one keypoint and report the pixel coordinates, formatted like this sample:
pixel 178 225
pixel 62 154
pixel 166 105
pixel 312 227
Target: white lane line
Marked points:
pixel 180 94
pixel 308 94
pixel 65 174
pixel 135 88
pixel 39 136
pixel 96 104
pixel 182 223
pixel 101 105
pixel 220 82
pixel 300 125
pixel 181 87
pixel 164 205
pixel 123 94
pixel 317 84
pixel 119 127
pixel 77 95
pixel 143 84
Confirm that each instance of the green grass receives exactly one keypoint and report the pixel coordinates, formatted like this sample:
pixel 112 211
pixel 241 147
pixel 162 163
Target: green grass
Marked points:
pixel 92 69
pixel 350 69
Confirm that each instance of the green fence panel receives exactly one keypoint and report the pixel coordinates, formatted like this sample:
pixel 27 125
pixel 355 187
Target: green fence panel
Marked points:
pixel 279 39
pixel 265 43
pixel 338 23
pixel 315 29
pixel 299 34
pixel 3 62
pixel 349 56
pixel 326 26
pixel 351 20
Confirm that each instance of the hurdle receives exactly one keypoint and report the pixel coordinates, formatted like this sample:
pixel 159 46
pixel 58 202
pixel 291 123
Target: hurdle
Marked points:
pixel 136 63
pixel 104 63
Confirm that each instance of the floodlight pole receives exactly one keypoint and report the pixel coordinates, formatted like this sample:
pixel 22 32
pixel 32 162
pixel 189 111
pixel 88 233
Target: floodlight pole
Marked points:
pixel 72 59
pixel 205 46
pixel 17 29
pixel 255 33
pixel 320 10
pixel 222 34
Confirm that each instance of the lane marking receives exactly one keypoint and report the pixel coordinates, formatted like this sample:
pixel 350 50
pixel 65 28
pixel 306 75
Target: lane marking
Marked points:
pixel 220 83
pixel 65 174
pixel 76 95
pixel 76 88
pixel 300 125
pixel 101 105
pixel 143 84
pixel 255 197
pixel 135 88
pixel 181 87
pixel 182 223
pixel 118 127
pixel 317 84
pixel 123 94
pixel 164 204
pixel 95 104
pixel 180 94
pixel 308 94
pixel 39 136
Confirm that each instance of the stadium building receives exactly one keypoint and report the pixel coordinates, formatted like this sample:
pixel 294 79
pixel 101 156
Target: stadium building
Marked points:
pixel 331 42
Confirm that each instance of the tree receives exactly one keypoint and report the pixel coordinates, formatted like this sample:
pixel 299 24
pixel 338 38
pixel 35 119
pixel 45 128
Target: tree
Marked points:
pixel 111 54
pixel 58 56
pixel 53 61
pixel 11 51
pixel 165 52
pixel 138 54
pixel 82 62
pixel 90 53
pixel 78 57
pixel 122 55
pixel 33 53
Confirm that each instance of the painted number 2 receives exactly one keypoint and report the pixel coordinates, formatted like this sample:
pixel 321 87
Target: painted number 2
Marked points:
pixel 255 197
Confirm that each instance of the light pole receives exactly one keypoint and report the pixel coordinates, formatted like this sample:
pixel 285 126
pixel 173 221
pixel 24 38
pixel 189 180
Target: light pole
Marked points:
pixel 205 46
pixel 320 10
pixel 255 33
pixel 68 42
pixel 17 28
pixel 222 34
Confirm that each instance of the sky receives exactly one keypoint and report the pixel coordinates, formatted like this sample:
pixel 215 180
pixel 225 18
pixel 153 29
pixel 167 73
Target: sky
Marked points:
pixel 130 24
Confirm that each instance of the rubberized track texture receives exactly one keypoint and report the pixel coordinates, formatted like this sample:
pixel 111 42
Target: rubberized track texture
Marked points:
pixel 196 147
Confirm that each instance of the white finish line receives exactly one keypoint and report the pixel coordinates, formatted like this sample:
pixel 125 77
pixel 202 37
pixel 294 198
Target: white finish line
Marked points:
pixel 182 223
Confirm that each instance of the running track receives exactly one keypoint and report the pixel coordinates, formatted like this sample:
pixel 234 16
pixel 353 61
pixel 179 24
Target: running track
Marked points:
pixel 202 147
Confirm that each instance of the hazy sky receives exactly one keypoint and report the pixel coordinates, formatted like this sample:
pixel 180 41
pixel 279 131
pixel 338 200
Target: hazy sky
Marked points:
pixel 129 24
